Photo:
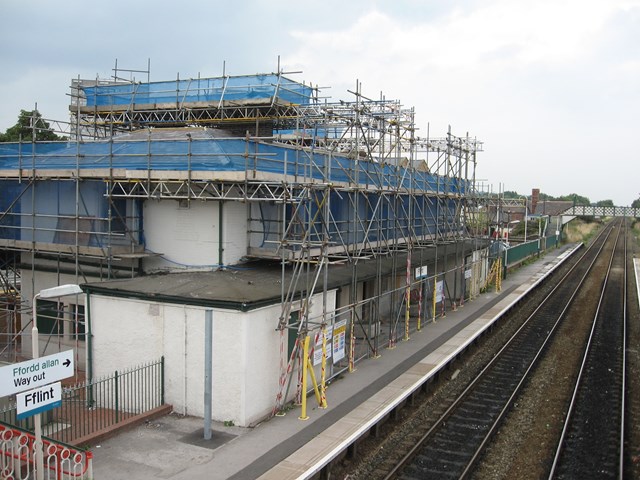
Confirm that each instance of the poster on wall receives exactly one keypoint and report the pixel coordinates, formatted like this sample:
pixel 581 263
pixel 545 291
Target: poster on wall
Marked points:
pixel 467 273
pixel 317 349
pixel 339 340
pixel 440 291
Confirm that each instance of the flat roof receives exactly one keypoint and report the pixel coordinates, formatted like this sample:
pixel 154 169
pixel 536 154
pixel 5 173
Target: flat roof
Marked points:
pixel 256 284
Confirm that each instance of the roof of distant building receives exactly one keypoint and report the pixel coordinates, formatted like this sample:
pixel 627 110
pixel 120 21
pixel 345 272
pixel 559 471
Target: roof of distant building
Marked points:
pixel 552 207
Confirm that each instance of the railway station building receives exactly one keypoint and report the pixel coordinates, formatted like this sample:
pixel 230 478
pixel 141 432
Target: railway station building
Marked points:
pixel 250 199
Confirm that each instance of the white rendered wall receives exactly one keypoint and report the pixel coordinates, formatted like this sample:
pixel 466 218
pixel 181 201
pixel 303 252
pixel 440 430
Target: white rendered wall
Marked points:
pixel 234 238
pixel 246 352
pixel 126 333
pixel 188 237
pixel 50 344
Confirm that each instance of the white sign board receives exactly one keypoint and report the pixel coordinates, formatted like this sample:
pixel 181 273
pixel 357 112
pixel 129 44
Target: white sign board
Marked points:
pixel 339 340
pixel 317 352
pixel 38 400
pixel 467 273
pixel 421 272
pixel 22 376
pixel 440 291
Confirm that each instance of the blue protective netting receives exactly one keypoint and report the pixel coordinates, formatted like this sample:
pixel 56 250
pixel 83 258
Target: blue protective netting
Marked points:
pixel 249 87
pixel 221 155
pixel 225 155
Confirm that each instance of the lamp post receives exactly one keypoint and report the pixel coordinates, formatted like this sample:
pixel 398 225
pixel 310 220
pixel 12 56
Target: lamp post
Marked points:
pixel 55 292
pixel 526 214
pixel 539 232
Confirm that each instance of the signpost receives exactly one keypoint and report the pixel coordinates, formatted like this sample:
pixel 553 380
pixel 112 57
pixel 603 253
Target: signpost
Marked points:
pixel 38 400
pixel 22 376
pixel 37 375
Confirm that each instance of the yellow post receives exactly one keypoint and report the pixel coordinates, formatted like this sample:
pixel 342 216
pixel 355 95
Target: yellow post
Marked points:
pixel 316 390
pixel 352 343
pixel 433 313
pixel 406 314
pixel 305 357
pixel 420 306
pixel 323 371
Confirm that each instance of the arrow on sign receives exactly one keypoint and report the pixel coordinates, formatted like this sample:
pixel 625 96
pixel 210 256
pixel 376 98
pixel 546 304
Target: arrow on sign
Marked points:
pixel 18 377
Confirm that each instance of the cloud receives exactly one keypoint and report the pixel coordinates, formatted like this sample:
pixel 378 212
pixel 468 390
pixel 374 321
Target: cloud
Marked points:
pixel 537 81
pixel 552 87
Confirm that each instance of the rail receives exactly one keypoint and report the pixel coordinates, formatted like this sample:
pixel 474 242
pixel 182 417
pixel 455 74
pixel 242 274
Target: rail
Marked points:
pixel 452 446
pixel 318 455
pixel 592 438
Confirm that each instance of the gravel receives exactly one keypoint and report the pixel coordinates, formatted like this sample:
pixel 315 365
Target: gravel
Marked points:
pixel 374 451
pixel 523 447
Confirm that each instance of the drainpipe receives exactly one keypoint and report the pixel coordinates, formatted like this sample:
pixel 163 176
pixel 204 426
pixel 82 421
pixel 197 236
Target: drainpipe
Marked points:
pixel 89 346
pixel 220 235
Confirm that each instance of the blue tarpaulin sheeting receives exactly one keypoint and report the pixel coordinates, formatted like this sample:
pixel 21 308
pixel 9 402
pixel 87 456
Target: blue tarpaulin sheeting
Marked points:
pixel 419 192
pixel 212 90
pixel 221 155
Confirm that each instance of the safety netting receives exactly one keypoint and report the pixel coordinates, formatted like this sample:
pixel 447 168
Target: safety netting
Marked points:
pixel 222 155
pixel 209 90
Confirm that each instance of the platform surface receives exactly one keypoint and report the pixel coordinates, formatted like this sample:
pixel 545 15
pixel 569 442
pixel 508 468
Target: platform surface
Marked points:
pixel 167 447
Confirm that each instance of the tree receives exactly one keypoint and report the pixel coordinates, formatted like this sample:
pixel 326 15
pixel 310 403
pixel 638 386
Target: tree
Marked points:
pixel 605 203
pixel 24 128
pixel 575 198
pixel 511 194
pixel 636 203
pixel 545 196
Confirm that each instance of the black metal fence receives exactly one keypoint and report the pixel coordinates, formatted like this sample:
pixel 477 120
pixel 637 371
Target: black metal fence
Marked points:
pixel 89 407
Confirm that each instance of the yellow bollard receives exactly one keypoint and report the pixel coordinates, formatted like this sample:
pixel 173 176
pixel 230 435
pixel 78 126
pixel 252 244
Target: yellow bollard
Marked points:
pixel 352 344
pixel 305 357
pixel 433 313
pixel 407 313
pixel 316 390
pixel 420 308
pixel 323 377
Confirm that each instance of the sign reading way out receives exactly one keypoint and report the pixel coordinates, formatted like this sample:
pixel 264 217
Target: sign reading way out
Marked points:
pixel 22 376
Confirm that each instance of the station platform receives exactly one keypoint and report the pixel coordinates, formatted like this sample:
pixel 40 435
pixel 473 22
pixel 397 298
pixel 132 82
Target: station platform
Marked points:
pixel 283 447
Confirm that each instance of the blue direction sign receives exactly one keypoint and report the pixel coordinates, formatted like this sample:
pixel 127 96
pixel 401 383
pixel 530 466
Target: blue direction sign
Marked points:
pixel 22 376
pixel 38 400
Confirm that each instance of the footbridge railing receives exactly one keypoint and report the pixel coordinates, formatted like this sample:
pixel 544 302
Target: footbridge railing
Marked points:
pixel 595 211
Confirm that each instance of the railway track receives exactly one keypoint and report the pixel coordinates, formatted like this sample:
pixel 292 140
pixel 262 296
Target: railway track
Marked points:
pixel 592 440
pixel 455 442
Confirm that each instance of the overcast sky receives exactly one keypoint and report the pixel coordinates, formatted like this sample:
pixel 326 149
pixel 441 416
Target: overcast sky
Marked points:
pixel 552 87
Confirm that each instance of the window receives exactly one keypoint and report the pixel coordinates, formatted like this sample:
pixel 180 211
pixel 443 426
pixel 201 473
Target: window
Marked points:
pixel 78 331
pixel 292 331
pixel 49 314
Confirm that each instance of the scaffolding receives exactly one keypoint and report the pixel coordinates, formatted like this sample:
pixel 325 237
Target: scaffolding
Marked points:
pixel 344 187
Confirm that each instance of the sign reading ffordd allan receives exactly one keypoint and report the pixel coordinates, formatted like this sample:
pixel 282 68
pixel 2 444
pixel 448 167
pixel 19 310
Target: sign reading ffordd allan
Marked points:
pixel 38 400
pixel 35 373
